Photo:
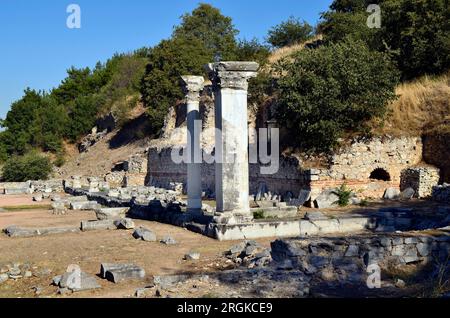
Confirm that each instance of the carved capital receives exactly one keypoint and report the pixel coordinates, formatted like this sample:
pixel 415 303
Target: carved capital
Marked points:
pixel 234 75
pixel 193 85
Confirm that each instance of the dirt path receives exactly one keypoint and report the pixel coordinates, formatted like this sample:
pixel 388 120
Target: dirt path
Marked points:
pixel 90 249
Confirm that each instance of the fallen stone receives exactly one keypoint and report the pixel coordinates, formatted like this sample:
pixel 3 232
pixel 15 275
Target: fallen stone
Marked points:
pixel 98 225
pixel 56 280
pixel 407 194
pixel 3 278
pixel 140 292
pixel 391 194
pixel 84 205
pixel 326 199
pixel 59 207
pixel 111 213
pixel 168 240
pixel 14 231
pixel 399 283
pixel 105 267
pixel 28 274
pixel 144 234
pixel 81 283
pixel 192 256
pixel 125 273
pixel 38 197
pixel 125 224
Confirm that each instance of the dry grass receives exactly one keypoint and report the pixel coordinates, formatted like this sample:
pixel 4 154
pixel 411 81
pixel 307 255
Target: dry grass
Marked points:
pixel 422 105
pixel 289 50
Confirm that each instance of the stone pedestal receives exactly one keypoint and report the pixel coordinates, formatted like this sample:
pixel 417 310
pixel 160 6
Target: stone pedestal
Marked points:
pixel 193 86
pixel 230 83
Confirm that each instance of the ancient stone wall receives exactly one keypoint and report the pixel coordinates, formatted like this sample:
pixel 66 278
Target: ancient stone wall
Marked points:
pixel 369 167
pixel 162 171
pixel 420 179
pixel 436 151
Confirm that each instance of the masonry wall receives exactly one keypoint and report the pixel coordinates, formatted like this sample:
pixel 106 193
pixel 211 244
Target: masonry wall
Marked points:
pixel 354 164
pixel 436 151
pixel 162 171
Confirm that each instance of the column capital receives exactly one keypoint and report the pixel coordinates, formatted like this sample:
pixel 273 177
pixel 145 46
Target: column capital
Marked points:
pixel 234 75
pixel 193 85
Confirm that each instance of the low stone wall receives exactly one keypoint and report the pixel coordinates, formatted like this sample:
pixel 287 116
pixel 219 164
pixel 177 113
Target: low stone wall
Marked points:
pixel 162 171
pixel 346 258
pixel 441 193
pixel 420 179
pixel 15 187
pixel 54 185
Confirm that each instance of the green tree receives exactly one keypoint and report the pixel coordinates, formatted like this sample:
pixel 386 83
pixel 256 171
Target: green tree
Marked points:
pixel 28 167
pixel 167 63
pixel 335 88
pixel 214 30
pixel 290 32
pixel 202 35
pixel 82 116
pixel 415 32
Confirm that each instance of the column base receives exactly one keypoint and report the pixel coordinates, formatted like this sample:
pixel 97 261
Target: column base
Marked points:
pixel 234 217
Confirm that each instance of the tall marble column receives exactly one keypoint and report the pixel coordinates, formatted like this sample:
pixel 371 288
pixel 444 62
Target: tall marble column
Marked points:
pixel 192 87
pixel 230 83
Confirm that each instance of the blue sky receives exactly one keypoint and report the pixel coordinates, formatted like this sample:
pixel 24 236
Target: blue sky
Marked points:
pixel 37 47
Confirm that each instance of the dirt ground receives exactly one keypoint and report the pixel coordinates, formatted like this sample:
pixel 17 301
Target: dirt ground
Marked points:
pixel 90 249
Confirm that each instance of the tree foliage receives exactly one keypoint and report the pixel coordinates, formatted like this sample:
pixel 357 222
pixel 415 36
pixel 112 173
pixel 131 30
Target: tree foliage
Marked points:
pixel 415 32
pixel 292 31
pixel 334 88
pixel 30 166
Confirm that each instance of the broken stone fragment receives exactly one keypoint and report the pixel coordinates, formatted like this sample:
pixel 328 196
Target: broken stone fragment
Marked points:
pixel 38 197
pixel 111 213
pixel 78 283
pixel 105 267
pixel 391 194
pixel 84 205
pixel 144 234
pixel 192 256
pixel 125 224
pixel 98 225
pixel 407 194
pixel 124 272
pixel 3 277
pixel 326 199
pixel 168 240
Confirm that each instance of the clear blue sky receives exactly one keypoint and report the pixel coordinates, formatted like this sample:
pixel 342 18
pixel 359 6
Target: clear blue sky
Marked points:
pixel 37 47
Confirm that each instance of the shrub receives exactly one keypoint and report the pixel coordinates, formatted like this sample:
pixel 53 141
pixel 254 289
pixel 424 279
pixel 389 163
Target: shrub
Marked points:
pixel 344 195
pixel 292 31
pixel 28 167
pixel 415 32
pixel 333 89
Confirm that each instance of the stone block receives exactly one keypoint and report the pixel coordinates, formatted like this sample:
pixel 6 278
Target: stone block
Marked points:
pixel 98 225
pixel 111 213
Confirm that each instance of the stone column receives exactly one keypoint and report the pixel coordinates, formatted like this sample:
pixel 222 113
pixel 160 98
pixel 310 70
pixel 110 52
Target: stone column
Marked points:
pixel 230 82
pixel 193 86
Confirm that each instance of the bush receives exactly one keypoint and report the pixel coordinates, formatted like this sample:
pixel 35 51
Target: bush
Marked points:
pixel 344 195
pixel 28 167
pixel 416 32
pixel 292 31
pixel 336 88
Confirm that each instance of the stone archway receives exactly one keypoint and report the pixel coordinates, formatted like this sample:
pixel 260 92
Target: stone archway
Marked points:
pixel 380 174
